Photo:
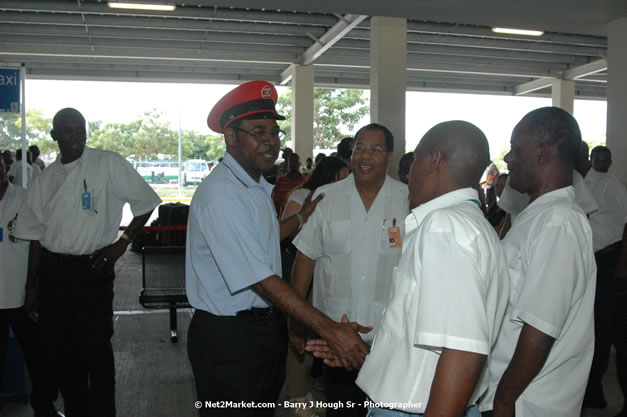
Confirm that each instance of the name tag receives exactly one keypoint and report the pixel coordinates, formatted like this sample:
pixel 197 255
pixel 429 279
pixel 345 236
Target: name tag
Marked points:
pixel 86 201
pixel 394 237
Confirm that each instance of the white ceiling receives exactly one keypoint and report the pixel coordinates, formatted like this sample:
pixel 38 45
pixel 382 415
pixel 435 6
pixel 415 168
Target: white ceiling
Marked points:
pixel 450 45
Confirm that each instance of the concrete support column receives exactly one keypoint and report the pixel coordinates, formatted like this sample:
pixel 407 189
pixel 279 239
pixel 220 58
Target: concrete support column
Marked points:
pixel 388 79
pixel 617 97
pixel 302 110
pixel 564 95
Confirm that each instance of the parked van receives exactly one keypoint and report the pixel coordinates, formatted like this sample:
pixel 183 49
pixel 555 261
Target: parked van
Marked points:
pixel 194 171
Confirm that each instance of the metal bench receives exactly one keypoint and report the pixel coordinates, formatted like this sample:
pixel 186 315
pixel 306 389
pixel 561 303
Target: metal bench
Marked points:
pixel 163 281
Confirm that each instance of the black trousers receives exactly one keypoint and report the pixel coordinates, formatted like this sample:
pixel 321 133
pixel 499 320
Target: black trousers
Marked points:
pixel 76 312
pixel 609 321
pixel 341 389
pixel 236 359
pixel 28 335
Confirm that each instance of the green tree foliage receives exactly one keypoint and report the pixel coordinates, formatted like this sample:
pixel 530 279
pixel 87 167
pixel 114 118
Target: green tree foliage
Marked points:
pixel 153 138
pixel 37 131
pixel 149 137
pixel 336 114
pixel 209 147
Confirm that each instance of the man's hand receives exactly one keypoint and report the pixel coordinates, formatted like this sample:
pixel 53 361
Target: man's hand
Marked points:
pixel 309 206
pixel 320 349
pixel 344 341
pixel 107 257
pixel 532 349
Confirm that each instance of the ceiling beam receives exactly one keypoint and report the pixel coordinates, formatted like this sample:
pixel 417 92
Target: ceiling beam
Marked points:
pixel 286 75
pixel 534 85
pixel 571 74
pixel 586 69
pixel 330 38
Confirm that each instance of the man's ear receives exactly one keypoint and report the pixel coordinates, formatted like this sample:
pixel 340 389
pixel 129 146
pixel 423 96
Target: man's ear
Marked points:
pixel 543 153
pixel 53 134
pixel 436 158
pixel 230 138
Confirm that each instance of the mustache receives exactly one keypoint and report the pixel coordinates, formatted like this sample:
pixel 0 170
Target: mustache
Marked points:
pixel 269 149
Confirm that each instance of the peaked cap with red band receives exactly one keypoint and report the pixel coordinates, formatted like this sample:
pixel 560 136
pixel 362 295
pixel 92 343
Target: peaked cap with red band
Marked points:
pixel 251 100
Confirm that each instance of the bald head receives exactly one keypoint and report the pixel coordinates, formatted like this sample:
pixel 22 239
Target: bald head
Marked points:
pixel 553 126
pixel 465 149
pixel 64 114
pixel 70 133
pixel 450 156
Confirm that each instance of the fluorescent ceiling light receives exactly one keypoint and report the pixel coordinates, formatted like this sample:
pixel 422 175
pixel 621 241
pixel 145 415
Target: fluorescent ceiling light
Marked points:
pixel 141 6
pixel 518 31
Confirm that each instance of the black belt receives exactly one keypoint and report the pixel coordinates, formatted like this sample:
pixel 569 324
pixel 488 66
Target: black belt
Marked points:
pixel 611 248
pixel 62 258
pixel 256 312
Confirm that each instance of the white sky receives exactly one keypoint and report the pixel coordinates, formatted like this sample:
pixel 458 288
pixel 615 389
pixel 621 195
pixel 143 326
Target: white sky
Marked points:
pixel 123 102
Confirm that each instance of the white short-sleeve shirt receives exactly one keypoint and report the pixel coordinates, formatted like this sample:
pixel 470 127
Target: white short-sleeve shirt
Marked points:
pixel 354 260
pixel 608 223
pixel 53 210
pixel 449 291
pixel 13 255
pixel 298 196
pixel 553 276
pixel 16 172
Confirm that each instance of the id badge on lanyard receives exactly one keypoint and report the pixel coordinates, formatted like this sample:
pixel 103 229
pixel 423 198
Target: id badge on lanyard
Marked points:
pixel 87 200
pixel 394 235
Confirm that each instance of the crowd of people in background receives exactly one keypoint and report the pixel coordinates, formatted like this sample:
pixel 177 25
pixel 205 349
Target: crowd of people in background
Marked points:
pixel 454 290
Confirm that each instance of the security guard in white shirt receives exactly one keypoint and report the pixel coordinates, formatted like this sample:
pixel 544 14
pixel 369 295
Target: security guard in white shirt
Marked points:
pixel 71 214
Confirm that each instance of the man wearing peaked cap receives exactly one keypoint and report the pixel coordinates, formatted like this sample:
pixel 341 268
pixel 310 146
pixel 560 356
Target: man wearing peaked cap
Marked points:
pixel 252 100
pixel 233 264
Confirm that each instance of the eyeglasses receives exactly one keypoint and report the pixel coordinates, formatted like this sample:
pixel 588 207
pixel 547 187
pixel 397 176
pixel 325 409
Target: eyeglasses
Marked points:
pixel 262 134
pixel 375 149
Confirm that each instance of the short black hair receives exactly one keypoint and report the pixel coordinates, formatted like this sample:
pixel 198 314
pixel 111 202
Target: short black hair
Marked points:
pixel 345 148
pixel 389 138
pixel 325 172
pixel 556 127
pixel 406 157
pixel 34 150
pixel 600 149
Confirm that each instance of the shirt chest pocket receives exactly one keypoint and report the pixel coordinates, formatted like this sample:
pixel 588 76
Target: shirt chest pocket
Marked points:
pixel 336 237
